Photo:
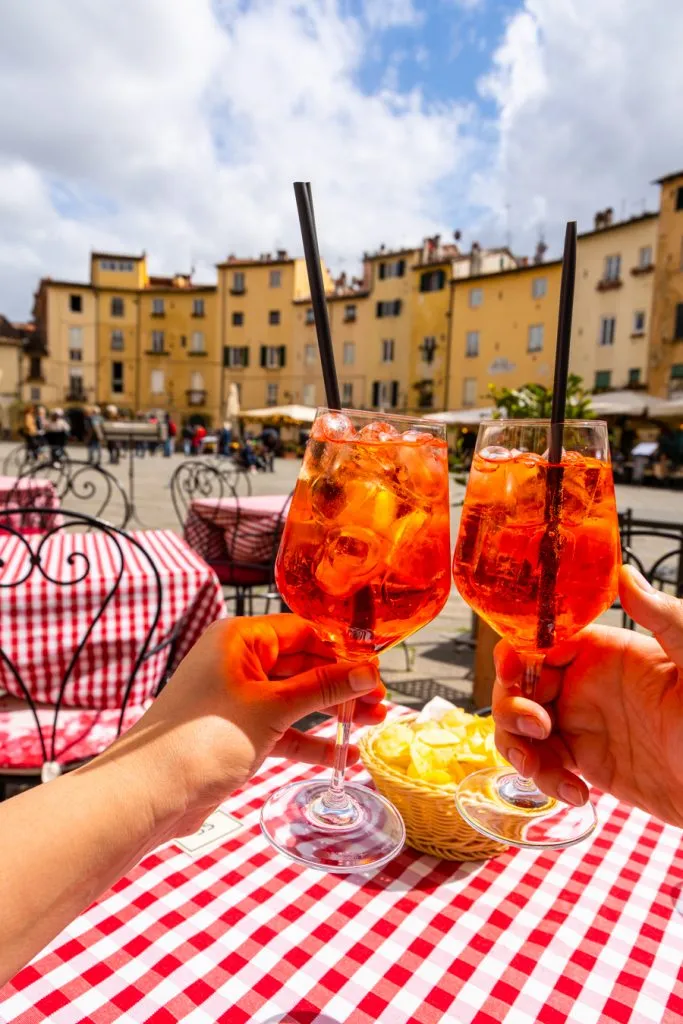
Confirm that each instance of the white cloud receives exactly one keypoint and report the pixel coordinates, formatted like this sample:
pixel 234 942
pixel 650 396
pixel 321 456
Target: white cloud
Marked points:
pixel 178 126
pixel 588 97
pixel 390 13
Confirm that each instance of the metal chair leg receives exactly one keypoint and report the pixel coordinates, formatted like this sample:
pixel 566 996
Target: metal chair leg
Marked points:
pixel 239 601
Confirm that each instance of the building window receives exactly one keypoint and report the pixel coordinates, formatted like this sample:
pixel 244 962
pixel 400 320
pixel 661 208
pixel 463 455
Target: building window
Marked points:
pixel 122 265
pixel 678 325
pixel 117 378
pixel 607 326
pixel 350 313
pixel 392 268
pixel 35 394
pixel 539 287
pixel 425 398
pixel 76 389
pixel 275 279
pixel 274 317
pixel 428 348
pixel 388 350
pixel 310 316
pixel 535 341
pixel 34 368
pixel 157 307
pixel 476 297
pixel 75 304
pixel 308 393
pixel 645 256
pixel 349 353
pixel 157 382
pixel 309 355
pixel 472 343
pixel 347 393
pixel 116 306
pixel 271 394
pixel 75 337
pixel 385 394
pixel 197 342
pixel 117 341
pixel 273 357
pixel 198 307
pixel 157 341
pixel 612 268
pixel 76 355
pixel 433 281
pixel 238 282
pixel 238 319
pixel 603 379
pixel 639 321
pixel 634 376
pixel 469 391
pixel 392 308
pixel 679 198
pixel 235 355
pixel 676 380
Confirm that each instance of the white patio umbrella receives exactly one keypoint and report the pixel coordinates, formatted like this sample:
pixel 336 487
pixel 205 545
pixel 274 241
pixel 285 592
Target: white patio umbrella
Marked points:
pixel 293 413
pixel 461 417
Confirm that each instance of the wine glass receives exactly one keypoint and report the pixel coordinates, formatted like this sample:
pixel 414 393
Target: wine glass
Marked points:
pixel 365 558
pixel 537 557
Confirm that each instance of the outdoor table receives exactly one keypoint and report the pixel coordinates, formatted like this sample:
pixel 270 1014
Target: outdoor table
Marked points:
pixel 238 934
pixel 211 524
pixel 47 620
pixel 28 492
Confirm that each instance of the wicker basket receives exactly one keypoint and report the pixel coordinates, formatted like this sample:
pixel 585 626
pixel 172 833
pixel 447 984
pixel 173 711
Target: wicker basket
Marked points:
pixel 433 823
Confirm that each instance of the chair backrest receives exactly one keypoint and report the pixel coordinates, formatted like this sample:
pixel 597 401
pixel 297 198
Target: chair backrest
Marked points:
pixel 72 480
pixel 655 548
pixel 254 541
pixel 200 478
pixel 63 569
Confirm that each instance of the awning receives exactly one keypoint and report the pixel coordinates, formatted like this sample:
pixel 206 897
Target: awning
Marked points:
pixel 462 417
pixel 286 413
pixel 620 403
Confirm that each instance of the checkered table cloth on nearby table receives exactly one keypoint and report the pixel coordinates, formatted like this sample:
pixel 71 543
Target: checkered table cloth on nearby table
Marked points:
pixel 43 622
pixel 24 493
pixel 256 518
pixel 243 936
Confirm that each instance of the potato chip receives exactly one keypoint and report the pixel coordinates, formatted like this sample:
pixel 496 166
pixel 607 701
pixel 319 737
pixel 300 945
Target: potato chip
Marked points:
pixel 393 744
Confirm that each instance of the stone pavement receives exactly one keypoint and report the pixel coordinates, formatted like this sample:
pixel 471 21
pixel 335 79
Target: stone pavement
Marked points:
pixel 438 658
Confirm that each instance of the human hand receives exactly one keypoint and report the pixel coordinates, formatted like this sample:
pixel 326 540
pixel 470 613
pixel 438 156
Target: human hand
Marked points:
pixel 231 703
pixel 608 707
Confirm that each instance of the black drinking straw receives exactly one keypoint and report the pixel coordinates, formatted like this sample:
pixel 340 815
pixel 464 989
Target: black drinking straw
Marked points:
pixel 549 551
pixel 304 205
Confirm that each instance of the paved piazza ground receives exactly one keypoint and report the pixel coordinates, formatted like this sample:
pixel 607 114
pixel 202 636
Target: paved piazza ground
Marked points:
pixel 438 658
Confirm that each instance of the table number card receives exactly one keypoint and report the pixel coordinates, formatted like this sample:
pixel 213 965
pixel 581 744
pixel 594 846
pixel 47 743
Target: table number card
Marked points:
pixel 215 830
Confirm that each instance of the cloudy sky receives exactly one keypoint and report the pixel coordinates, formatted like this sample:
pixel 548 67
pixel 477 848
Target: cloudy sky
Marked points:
pixel 177 126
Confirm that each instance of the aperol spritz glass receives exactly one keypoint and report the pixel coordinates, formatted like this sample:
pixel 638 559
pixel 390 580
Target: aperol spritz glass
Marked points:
pixel 537 557
pixel 365 558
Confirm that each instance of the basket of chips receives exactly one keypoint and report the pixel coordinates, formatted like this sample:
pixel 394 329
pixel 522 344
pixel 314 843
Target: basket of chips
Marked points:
pixel 417 761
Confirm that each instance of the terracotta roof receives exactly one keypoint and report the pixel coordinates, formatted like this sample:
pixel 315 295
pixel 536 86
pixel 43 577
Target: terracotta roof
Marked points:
pixel 115 256
pixel 495 275
pixel 648 215
pixel 668 177
pixel 237 262
pixel 390 253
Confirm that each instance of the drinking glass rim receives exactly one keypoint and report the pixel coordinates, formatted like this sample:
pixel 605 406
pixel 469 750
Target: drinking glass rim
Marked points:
pixel 382 417
pixel 539 423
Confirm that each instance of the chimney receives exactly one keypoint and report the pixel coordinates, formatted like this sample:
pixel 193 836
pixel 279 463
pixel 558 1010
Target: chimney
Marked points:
pixel 541 250
pixel 282 254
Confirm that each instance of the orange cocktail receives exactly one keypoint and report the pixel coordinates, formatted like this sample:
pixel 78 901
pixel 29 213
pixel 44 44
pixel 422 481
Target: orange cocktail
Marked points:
pixel 498 560
pixel 365 550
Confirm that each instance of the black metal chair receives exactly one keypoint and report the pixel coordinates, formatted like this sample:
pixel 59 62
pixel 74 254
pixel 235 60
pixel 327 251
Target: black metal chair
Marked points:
pixel 245 575
pixel 662 568
pixel 59 736
pixel 73 480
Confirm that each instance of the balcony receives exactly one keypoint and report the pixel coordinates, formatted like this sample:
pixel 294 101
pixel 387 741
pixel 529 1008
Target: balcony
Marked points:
pixel 238 291
pixel 350 318
pixel 196 396
pixel 609 284
pixel 201 353
pixel 158 314
pixel 157 352
pixel 640 271
pixel 75 395
pixel 198 315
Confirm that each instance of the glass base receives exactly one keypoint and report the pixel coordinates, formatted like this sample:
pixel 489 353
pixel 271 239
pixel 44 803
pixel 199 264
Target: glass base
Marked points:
pixel 361 834
pixel 502 805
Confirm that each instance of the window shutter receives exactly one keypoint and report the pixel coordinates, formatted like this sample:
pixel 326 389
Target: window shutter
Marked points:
pixel 382 271
pixel 394 394
pixel 375 392
pixel 678 333
pixel 264 355
pixel 283 355
pixel 401 268
pixel 441 278
pixel 424 282
pixel 225 355
pixel 397 307
pixel 245 356
pixel 379 309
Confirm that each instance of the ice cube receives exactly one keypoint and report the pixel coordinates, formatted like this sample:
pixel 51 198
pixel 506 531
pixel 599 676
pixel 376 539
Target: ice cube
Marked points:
pixel 379 432
pixel 495 453
pixel 328 497
pixel 423 470
pixel 351 557
pixel 416 437
pixel 332 426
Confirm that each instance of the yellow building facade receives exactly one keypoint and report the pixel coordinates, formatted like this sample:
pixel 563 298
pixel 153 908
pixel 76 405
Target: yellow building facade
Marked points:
pixel 613 302
pixel 666 332
pixel 388 331
pixel 11 359
pixel 502 331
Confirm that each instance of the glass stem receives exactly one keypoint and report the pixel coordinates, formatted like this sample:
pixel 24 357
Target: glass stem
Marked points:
pixel 533 663
pixel 336 793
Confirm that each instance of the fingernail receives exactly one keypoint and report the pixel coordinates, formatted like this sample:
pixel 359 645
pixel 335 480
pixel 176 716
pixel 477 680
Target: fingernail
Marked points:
pixel 570 794
pixel 517 759
pixel 362 678
pixel 640 580
pixel 528 726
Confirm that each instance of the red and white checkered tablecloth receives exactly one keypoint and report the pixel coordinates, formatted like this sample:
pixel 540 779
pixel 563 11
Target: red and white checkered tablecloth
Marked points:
pixel 241 528
pixel 243 936
pixel 24 493
pixel 43 620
